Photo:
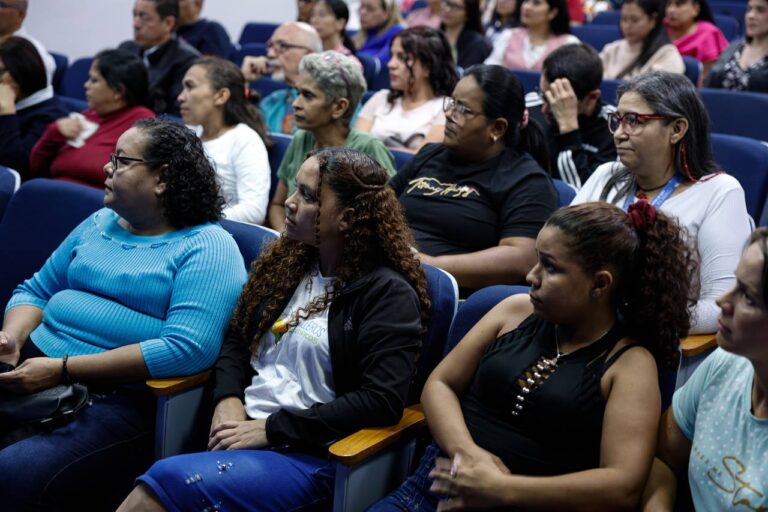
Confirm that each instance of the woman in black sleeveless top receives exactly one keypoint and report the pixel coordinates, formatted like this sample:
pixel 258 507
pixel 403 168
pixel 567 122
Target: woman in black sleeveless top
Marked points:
pixel 551 402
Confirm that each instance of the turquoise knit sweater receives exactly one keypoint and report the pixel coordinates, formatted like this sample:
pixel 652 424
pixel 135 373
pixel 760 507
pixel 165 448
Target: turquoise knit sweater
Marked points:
pixel 104 288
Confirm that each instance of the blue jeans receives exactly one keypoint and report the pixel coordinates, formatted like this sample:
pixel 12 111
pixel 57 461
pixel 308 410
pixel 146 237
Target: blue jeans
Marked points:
pixel 260 480
pixel 414 495
pixel 88 464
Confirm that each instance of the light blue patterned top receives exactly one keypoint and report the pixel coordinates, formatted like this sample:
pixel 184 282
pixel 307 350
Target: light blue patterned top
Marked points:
pixel 105 287
pixel 728 466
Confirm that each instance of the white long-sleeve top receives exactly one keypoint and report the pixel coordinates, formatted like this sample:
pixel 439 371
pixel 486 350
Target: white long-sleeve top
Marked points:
pixel 714 212
pixel 242 167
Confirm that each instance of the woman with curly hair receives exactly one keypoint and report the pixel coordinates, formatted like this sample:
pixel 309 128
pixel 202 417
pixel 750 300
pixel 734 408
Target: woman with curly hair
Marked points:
pixel 421 73
pixel 234 135
pixel 142 288
pixel 578 361
pixel 661 132
pixel 322 343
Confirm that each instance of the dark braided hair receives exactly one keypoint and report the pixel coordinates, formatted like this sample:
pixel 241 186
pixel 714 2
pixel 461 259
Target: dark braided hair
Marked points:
pixel 654 269
pixel 192 194
pixel 378 235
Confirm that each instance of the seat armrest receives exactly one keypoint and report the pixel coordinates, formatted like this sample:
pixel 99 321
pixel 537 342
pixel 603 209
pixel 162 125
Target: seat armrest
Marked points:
pixel 162 387
pixel 366 442
pixel 697 343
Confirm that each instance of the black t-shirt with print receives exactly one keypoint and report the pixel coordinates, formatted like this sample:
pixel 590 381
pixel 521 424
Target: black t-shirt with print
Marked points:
pixel 456 207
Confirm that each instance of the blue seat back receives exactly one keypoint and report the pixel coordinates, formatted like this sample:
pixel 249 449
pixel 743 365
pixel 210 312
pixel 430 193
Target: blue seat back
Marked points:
pixel 38 218
pixel 9 182
pixel 693 69
pixel 250 239
pixel 598 35
pixel 73 104
pixel 62 61
pixel 280 142
pixel 529 79
pixel 736 9
pixel 257 32
pixel 608 90
pixel 729 26
pixel 746 160
pixel 401 158
pixel 607 18
pixel 266 85
pixel 240 51
pixel 475 307
pixel 737 112
pixel 566 193
pixel 73 84
pixel 444 295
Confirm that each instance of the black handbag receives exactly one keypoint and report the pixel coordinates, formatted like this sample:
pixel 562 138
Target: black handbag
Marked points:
pixel 22 416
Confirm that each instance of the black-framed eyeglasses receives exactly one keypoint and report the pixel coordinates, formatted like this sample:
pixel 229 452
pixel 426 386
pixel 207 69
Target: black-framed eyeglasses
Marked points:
pixel 115 160
pixel 281 46
pixel 631 121
pixel 451 105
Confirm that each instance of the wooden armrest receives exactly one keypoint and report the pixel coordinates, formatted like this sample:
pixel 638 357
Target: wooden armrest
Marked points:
pixel 162 387
pixel 369 441
pixel 697 343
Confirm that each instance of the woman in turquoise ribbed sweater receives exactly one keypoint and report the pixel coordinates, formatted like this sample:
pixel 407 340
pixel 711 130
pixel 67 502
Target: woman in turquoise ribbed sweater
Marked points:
pixel 143 288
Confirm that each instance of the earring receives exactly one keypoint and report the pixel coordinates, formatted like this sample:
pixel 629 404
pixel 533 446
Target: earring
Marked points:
pixel 494 138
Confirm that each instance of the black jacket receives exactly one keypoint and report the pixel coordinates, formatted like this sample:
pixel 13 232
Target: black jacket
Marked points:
pixel 20 132
pixel 471 48
pixel 574 156
pixel 374 334
pixel 167 66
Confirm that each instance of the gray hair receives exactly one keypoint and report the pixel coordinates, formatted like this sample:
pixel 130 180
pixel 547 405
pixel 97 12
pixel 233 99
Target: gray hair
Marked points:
pixel 338 77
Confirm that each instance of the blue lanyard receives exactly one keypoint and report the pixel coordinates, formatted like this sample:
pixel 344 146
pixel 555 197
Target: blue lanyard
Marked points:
pixel 662 196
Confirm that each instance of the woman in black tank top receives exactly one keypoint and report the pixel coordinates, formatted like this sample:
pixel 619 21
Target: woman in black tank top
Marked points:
pixel 552 400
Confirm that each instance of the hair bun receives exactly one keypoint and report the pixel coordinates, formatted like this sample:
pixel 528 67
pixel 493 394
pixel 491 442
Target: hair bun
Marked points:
pixel 642 214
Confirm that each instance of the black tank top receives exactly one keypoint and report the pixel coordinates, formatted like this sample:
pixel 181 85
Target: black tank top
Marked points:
pixel 539 414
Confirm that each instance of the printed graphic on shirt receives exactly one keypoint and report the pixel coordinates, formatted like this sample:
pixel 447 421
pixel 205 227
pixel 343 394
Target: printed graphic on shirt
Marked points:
pixel 732 477
pixel 434 187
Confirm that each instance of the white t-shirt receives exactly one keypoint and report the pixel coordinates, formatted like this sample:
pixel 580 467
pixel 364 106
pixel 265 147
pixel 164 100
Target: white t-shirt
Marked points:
pixel 295 373
pixel 714 212
pixel 391 123
pixel 728 464
pixel 242 166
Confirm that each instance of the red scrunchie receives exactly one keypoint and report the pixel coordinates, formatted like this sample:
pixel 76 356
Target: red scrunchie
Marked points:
pixel 642 214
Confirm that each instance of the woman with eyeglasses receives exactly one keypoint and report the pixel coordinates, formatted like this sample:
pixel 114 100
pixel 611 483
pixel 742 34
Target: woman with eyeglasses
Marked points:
pixel 421 74
pixel 329 87
pixel 661 132
pixel 322 343
pixel 551 402
pixel 143 288
pixel 74 148
pixel 27 103
pixel 476 202
pixel 545 28
pixel 213 97
pixel 380 21
pixel 464 30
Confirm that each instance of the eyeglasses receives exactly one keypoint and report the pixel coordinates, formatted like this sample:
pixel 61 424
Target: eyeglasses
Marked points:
pixel 631 121
pixel 116 160
pixel 450 104
pixel 281 46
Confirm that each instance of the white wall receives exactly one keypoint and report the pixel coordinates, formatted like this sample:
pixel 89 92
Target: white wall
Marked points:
pixel 81 28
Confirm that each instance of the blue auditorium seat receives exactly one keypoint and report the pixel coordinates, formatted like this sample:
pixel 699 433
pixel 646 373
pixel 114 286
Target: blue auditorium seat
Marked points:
pixel 737 112
pixel 729 26
pixel 746 160
pixel 280 142
pixel 62 61
pixel 565 192
pixel 528 78
pixel 73 84
pixel 257 32
pixel 597 35
pixel 693 69
pixel 240 51
pixel 9 183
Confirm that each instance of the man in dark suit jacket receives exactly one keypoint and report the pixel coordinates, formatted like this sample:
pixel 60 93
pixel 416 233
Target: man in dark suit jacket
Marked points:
pixel 166 55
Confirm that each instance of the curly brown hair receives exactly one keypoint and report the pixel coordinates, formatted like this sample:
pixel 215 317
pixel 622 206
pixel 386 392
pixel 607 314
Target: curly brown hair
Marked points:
pixel 654 268
pixel 378 234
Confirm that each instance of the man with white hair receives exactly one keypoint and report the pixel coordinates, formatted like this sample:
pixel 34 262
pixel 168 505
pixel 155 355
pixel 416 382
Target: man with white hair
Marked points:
pixel 12 14
pixel 289 43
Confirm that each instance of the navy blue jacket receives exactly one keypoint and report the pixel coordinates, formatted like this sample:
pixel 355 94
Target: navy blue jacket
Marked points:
pixel 19 132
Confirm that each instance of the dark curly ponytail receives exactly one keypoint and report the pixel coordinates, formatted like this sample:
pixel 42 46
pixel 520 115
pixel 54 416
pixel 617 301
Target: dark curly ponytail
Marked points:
pixel 653 266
